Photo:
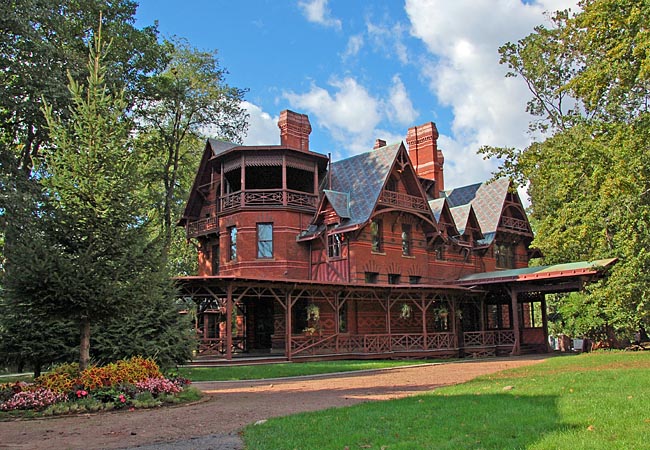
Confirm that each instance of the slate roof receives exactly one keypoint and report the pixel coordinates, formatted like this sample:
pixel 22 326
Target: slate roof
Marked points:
pixel 437 205
pixel 461 216
pixel 340 201
pixel 362 177
pixel 219 147
pixel 487 199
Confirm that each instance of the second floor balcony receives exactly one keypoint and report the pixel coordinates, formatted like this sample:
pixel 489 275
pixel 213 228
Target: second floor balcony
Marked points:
pixel 251 198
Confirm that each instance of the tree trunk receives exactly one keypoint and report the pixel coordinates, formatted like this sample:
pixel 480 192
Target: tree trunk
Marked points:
pixel 84 343
pixel 37 369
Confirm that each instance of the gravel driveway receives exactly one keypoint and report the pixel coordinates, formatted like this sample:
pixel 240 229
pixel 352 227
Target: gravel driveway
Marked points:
pixel 228 406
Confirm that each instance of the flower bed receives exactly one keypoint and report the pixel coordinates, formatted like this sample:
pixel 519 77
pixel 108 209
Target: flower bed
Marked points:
pixel 132 383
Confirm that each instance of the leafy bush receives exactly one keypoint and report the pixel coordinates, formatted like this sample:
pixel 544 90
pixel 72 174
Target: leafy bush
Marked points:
pixel 123 371
pixel 57 382
pixel 145 400
pixel 8 390
pixel 111 396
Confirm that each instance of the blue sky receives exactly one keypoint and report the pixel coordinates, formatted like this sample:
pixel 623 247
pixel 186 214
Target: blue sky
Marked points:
pixel 366 70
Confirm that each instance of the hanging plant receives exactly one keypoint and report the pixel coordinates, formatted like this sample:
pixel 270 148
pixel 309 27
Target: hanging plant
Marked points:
pixel 313 312
pixel 405 311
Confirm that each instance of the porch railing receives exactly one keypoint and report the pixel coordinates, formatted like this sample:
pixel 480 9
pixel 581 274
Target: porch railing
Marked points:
pixel 488 338
pixel 371 343
pixel 218 346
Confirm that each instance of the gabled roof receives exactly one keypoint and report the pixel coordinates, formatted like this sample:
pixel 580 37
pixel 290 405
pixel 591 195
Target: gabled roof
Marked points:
pixel 363 177
pixel 461 216
pixel 487 199
pixel 437 205
pixel 219 147
pixel 340 201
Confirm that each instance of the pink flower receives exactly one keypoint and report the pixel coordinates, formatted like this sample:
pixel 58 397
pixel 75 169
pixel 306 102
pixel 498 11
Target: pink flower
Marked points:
pixel 81 393
pixel 122 398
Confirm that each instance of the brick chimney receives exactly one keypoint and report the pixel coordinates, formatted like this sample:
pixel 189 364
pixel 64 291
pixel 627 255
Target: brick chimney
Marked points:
pixel 294 130
pixel 422 142
pixel 379 143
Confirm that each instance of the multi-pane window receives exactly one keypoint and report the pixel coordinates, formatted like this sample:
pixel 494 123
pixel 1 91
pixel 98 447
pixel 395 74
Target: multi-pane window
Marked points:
pixel 334 245
pixel 414 279
pixel 232 247
pixel 265 240
pixel 406 239
pixel 393 278
pixel 505 256
pixel 372 277
pixel 375 235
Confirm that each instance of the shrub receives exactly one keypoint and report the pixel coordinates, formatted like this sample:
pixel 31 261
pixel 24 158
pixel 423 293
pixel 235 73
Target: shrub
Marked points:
pixel 8 390
pixel 60 382
pixel 123 371
pixel 145 400
pixel 111 396
pixel 37 399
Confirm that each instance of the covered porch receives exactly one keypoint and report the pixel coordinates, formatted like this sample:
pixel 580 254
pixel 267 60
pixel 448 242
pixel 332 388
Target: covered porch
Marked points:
pixel 298 320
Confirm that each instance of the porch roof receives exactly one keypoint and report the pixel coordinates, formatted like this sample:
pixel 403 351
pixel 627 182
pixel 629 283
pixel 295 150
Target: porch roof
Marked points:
pixel 222 281
pixel 541 273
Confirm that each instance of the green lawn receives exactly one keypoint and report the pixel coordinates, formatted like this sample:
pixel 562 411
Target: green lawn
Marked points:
pixel 255 372
pixel 591 401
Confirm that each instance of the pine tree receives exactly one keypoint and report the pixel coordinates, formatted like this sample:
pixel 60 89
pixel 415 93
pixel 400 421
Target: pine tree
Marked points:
pixel 99 263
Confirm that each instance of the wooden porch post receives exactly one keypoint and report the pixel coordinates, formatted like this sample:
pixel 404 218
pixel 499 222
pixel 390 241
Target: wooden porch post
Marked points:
pixel 289 303
pixel 545 323
pixel 229 323
pixel 516 348
pixel 424 320
pixel 390 334
pixel 337 318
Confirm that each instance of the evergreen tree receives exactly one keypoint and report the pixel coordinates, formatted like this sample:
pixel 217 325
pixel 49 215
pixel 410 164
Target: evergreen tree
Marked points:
pixel 100 262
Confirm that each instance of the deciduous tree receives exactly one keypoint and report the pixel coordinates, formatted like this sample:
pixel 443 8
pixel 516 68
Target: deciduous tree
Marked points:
pixel 589 175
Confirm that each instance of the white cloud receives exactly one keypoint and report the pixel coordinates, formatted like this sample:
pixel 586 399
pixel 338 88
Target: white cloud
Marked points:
pixel 464 73
pixel 351 114
pixel 355 43
pixel 388 38
pixel 400 108
pixel 316 11
pixel 262 127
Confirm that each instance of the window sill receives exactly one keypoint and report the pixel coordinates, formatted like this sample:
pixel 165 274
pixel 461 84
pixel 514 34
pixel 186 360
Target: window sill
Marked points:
pixel 378 253
pixel 408 256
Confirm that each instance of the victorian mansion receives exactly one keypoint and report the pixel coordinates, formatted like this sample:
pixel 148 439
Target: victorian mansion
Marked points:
pixel 369 256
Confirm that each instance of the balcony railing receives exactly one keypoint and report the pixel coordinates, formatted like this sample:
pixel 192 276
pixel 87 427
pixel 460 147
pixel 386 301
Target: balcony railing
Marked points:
pixel 511 223
pixel 268 197
pixel 403 200
pixel 250 198
pixel 202 226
